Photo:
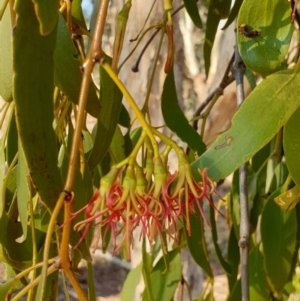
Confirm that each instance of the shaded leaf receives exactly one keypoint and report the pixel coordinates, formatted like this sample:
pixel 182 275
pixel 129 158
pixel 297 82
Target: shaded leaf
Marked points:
pixel 111 100
pixel 117 146
pixel 233 258
pixel 225 265
pixel 233 13
pixel 265 53
pixel 33 93
pixel 131 282
pixel 47 14
pixel 67 75
pixel 248 134
pixel 12 140
pixel 217 10
pixel 175 119
pixel 192 10
pixel 6 70
pixel 196 243
pixel 23 190
pixel 165 282
pixel 291 145
pixel 278 235
pixel 77 13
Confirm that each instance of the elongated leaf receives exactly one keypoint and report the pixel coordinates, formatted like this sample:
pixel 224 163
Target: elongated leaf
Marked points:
pixel 291 145
pixel 225 265
pixel 217 10
pixel 192 10
pixel 2 174
pixel 117 146
pixel 17 255
pixel 278 235
pixel 175 118
pixel 165 282
pixel 196 243
pixel 258 288
pixel 233 13
pixel 12 140
pixel 6 71
pixel 111 100
pixel 33 93
pixel 23 190
pixel 260 117
pixel 233 258
pixel 265 53
pixel 47 14
pixel 131 282
pixel 77 13
pixel 67 75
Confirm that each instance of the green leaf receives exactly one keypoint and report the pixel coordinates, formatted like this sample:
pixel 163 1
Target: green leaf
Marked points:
pixel 291 145
pixel 233 258
pixel 124 118
pixel 117 146
pixel 33 93
pixel 6 70
pixel 175 118
pixel 164 282
pixel 217 10
pixel 47 14
pixel 278 235
pixel 192 10
pixel 233 13
pixel 254 124
pixel 77 13
pixel 67 75
pixel 17 255
pixel 196 243
pixel 225 265
pixel 23 190
pixel 111 100
pixel 265 53
pixel 12 140
pixel 2 175
pixel 131 282
pixel 258 285
pixel 289 199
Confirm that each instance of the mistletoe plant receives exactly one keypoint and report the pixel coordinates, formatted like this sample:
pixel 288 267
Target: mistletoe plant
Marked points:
pixel 61 181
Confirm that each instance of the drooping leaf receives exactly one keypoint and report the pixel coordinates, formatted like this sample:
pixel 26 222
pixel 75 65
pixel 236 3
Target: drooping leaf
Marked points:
pixel 131 282
pixel 291 145
pixel 217 10
pixel 258 285
pixel 233 258
pixel 254 125
pixel 77 13
pixel 2 174
pixel 192 10
pixel 265 53
pixel 225 265
pixel 165 282
pixel 233 13
pixel 23 190
pixel 124 118
pixel 111 100
pixel 175 119
pixel 6 70
pixel 117 146
pixel 67 75
pixel 17 255
pixel 12 140
pixel 47 14
pixel 196 243
pixel 278 235
pixel 33 93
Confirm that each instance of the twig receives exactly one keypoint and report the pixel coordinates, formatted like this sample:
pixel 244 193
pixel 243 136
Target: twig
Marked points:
pixel 226 81
pixel 238 71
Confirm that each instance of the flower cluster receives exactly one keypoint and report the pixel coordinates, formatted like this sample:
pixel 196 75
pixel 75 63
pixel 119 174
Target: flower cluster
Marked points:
pixel 148 197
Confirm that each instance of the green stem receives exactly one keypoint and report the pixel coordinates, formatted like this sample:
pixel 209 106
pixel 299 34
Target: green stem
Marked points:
pixel 146 127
